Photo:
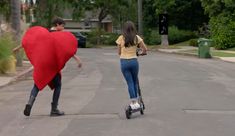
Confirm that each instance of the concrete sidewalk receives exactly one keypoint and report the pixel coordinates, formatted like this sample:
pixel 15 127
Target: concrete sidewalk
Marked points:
pixel 228 59
pixel 21 72
pixel 183 51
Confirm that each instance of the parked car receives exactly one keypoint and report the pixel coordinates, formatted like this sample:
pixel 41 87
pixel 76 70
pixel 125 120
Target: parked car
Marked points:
pixel 81 39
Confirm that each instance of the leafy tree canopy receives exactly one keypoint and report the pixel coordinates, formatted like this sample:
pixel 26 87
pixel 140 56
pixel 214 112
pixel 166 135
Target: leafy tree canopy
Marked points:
pixel 5 8
pixel 163 5
pixel 222 21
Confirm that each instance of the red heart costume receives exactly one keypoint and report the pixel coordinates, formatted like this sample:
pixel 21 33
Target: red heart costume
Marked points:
pixel 48 52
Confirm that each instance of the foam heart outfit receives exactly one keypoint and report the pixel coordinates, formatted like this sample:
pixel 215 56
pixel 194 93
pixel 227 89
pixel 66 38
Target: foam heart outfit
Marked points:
pixel 48 52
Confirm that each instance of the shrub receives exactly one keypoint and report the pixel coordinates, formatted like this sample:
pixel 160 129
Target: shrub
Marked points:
pixel 152 37
pixel 223 32
pixel 6 45
pixel 175 35
pixel 204 31
pixel 193 42
pixel 92 36
pixel 106 38
pixel 8 65
pixel 7 61
pixel 109 38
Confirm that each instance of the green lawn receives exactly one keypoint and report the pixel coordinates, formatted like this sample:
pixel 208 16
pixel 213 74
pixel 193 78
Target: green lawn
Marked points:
pixel 222 54
pixel 218 53
pixel 213 53
pixel 186 43
pixel 231 49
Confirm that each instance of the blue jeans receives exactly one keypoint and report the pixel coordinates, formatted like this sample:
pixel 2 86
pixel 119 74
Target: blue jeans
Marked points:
pixel 130 69
pixel 57 83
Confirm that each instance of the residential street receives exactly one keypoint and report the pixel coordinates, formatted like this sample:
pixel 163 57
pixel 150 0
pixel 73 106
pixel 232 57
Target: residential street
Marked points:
pixel 183 95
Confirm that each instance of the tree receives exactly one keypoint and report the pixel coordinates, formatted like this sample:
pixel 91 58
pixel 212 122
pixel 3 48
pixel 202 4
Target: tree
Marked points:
pixel 124 14
pixel 149 14
pixel 10 12
pixel 4 12
pixel 222 22
pixel 105 8
pixel 187 14
pixel 46 10
pixel 163 5
pixel 5 9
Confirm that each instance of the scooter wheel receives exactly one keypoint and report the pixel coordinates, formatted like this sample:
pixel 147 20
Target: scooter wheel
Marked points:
pixel 142 111
pixel 128 112
pixel 143 105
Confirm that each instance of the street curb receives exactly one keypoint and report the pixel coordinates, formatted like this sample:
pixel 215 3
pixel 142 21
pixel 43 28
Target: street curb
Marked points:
pixel 218 58
pixel 15 78
pixel 23 73
pixel 193 55
pixel 178 53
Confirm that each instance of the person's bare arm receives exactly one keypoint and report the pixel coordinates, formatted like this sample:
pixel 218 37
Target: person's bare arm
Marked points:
pixel 143 47
pixel 16 49
pixel 78 60
pixel 119 50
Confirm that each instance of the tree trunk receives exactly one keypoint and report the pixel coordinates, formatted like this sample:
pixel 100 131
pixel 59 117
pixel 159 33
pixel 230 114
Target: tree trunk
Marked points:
pixel 15 24
pixel 140 18
pixel 99 33
pixel 164 40
pixel 1 18
pixel 103 13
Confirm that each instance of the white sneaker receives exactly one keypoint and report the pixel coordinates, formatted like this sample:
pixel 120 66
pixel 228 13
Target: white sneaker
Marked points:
pixel 132 106
pixel 137 105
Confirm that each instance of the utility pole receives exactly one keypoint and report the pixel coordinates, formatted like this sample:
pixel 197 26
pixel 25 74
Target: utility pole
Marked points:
pixel 140 19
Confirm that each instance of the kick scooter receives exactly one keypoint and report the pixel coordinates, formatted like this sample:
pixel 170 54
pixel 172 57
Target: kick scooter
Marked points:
pixel 128 110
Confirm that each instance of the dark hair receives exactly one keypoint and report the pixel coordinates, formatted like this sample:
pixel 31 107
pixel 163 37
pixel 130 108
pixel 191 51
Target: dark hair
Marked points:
pixel 59 21
pixel 129 33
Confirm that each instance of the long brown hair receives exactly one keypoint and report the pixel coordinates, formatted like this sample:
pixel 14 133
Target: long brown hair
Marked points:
pixel 129 33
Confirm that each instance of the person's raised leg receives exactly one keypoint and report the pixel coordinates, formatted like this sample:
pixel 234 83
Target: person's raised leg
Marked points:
pixel 32 97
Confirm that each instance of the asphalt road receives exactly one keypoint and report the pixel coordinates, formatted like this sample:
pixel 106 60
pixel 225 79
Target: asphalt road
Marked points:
pixel 184 96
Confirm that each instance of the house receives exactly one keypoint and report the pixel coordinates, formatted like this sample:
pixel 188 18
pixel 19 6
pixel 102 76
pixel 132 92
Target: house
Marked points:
pixel 89 22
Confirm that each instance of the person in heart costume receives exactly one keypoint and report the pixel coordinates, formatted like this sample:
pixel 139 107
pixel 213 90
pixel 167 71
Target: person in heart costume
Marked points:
pixel 48 52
